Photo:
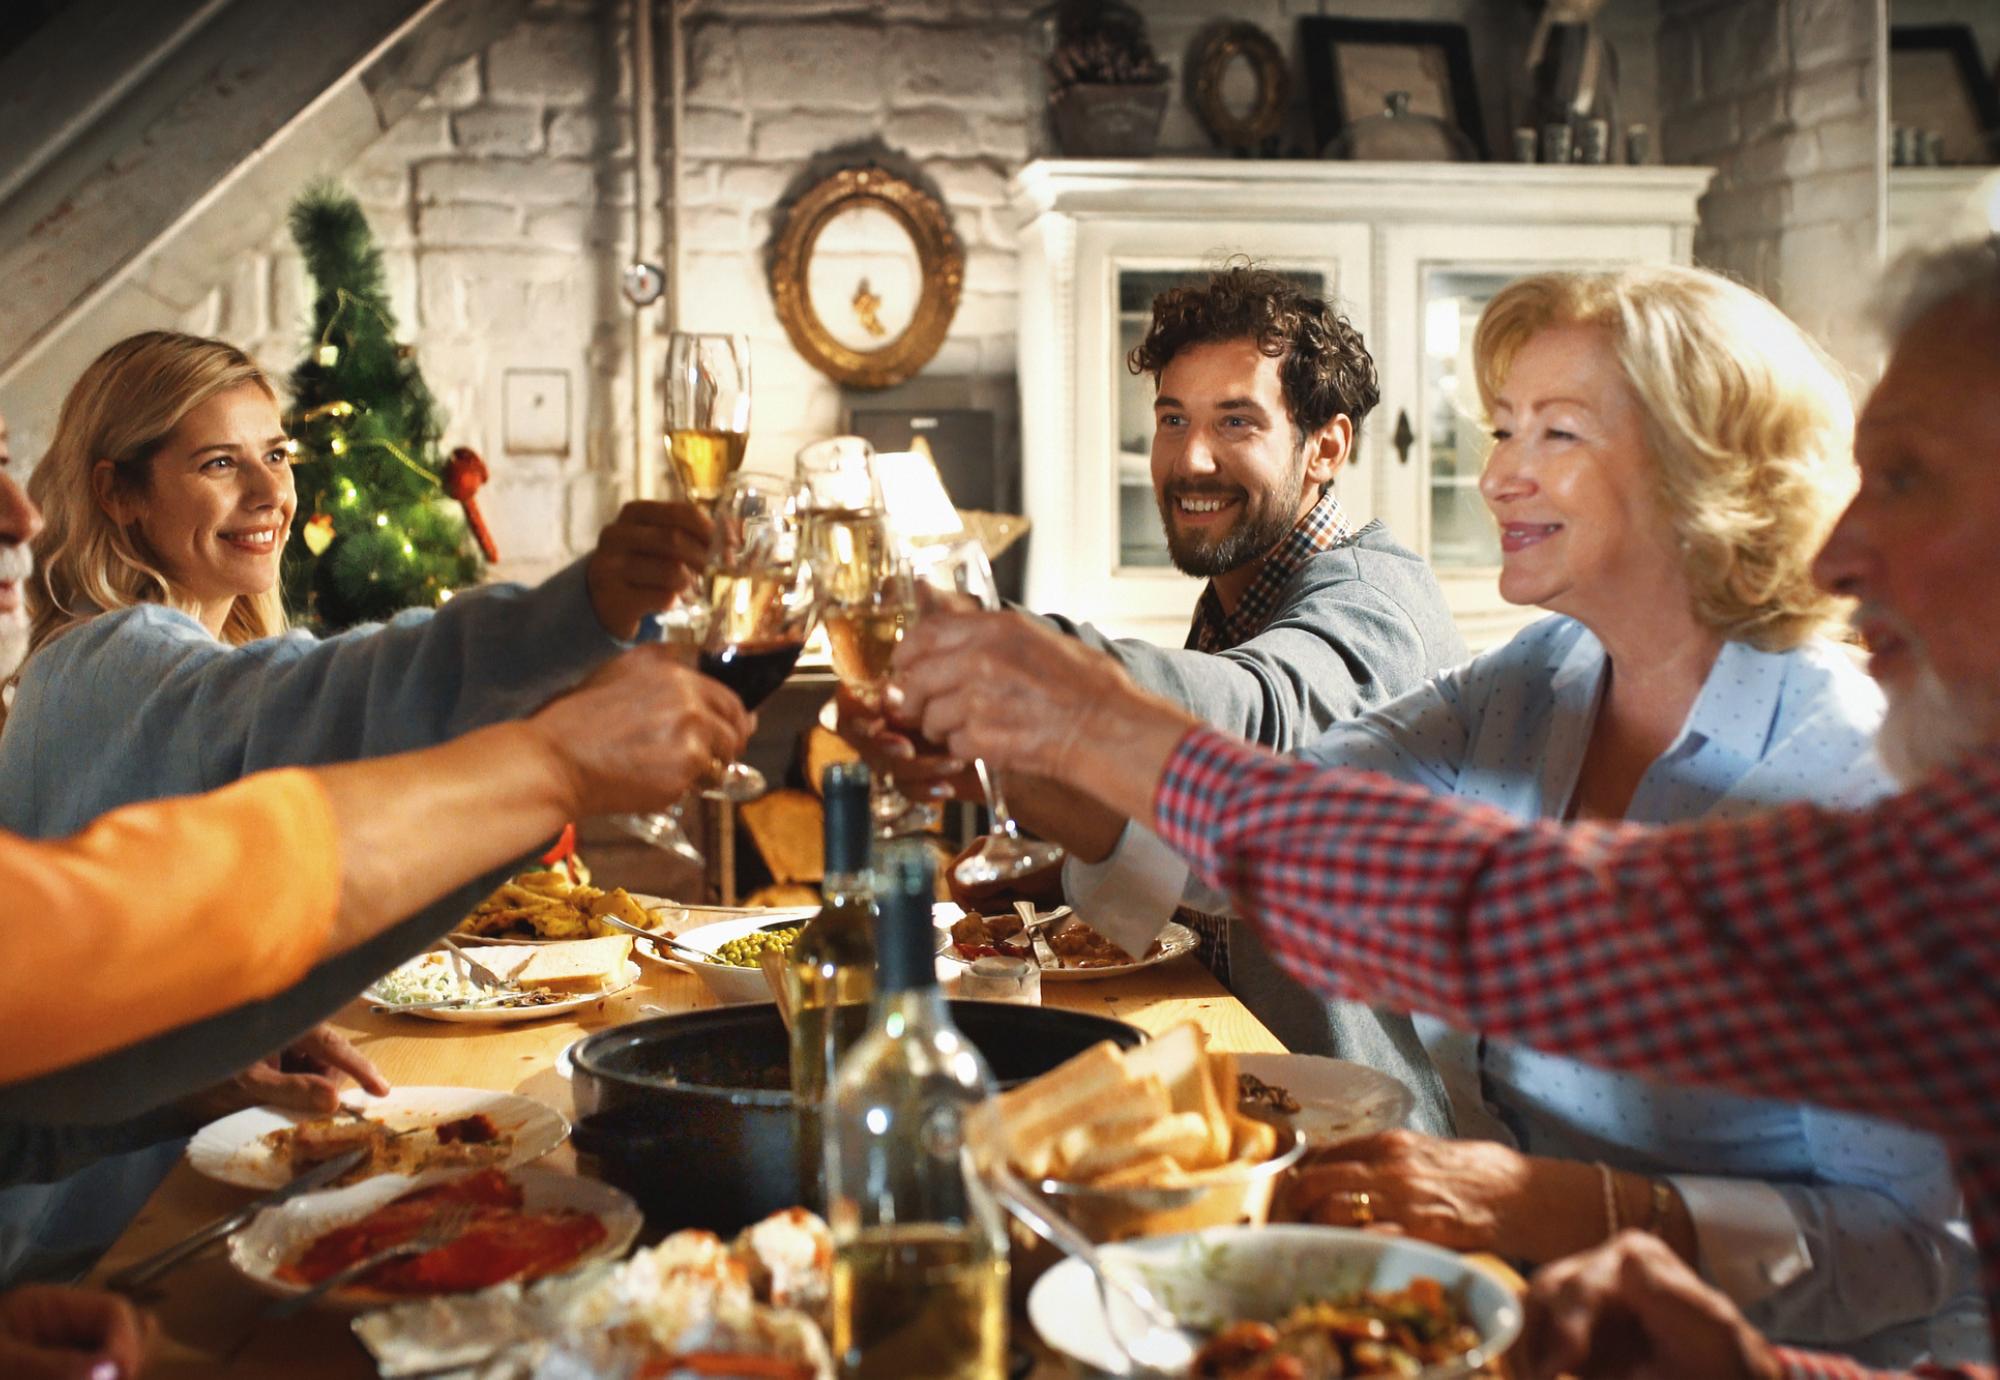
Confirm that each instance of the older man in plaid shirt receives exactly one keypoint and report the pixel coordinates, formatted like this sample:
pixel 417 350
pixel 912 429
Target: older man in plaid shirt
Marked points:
pixel 1852 960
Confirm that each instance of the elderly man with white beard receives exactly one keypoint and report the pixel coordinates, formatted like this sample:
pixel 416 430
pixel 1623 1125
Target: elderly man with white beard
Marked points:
pixel 1847 959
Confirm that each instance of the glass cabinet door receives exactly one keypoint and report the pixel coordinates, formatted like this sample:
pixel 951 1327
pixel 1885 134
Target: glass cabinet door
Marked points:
pixel 1462 532
pixel 1142 540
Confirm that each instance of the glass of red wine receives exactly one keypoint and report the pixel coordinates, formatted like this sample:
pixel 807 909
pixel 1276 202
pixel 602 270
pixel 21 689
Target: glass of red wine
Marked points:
pixel 760 604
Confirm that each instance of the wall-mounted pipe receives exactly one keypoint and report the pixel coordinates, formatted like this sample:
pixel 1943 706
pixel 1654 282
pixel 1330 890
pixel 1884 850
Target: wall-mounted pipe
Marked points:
pixel 646 439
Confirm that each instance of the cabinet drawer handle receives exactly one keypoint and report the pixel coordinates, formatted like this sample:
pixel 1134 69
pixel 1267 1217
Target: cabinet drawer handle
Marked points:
pixel 1404 437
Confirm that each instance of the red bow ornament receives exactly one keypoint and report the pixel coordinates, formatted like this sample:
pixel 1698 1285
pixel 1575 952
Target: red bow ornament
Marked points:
pixel 464 472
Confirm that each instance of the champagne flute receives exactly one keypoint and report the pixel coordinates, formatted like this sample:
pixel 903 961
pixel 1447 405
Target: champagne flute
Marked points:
pixel 961 567
pixel 760 604
pixel 856 582
pixel 707 386
pixel 708 411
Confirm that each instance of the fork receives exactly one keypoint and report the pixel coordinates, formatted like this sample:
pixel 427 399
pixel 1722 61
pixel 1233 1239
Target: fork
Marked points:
pixel 481 975
pixel 446 1227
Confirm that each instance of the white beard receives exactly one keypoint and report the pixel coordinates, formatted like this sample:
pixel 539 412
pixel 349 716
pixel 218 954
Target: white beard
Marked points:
pixel 1932 725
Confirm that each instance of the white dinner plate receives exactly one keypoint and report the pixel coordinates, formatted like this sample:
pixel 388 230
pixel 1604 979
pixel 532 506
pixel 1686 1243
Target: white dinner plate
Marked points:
pixel 234 1149
pixel 502 1015
pixel 1338 1100
pixel 277 1234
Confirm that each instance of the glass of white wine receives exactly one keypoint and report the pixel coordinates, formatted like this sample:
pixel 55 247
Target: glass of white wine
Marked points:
pixel 862 591
pixel 707 411
pixel 708 429
pixel 961 567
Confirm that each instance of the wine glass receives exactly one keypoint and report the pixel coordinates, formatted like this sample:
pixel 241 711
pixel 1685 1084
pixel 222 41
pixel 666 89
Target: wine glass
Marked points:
pixel 861 603
pixel 961 567
pixel 681 626
pixel 760 604
pixel 707 412
pixel 707 386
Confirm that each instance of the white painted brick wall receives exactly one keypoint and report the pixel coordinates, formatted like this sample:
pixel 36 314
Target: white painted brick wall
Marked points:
pixel 1779 96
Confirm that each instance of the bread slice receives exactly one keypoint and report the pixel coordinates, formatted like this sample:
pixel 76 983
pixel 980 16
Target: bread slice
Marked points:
pixel 1180 1060
pixel 580 966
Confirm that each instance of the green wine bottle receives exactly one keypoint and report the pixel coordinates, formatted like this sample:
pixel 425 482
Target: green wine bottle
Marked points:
pixel 832 968
pixel 920 1252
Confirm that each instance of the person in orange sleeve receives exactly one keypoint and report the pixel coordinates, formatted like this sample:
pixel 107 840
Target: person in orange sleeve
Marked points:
pixel 181 893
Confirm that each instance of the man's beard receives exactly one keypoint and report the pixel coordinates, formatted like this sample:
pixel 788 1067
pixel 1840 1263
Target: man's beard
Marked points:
pixel 1931 725
pixel 1265 521
pixel 16 565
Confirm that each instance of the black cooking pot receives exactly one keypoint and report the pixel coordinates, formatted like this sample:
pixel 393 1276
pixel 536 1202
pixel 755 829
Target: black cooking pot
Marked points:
pixel 692 1114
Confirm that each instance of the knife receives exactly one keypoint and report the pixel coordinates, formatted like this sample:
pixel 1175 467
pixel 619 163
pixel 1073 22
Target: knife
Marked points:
pixel 144 1272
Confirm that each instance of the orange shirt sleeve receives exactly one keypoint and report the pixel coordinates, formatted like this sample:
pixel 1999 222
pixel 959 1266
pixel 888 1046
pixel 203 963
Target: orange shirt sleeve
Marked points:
pixel 161 914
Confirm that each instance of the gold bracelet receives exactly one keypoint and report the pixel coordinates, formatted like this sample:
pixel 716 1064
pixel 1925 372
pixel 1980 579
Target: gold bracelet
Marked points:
pixel 1611 1222
pixel 1659 1206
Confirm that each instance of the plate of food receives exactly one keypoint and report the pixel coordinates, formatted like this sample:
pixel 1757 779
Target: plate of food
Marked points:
pixel 1326 1100
pixel 1068 949
pixel 551 904
pixel 521 1226
pixel 405 1131
pixel 1295 1296
pixel 545 980
pixel 755 1306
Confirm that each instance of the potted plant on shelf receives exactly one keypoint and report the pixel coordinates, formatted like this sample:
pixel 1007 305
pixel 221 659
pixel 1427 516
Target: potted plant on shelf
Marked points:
pixel 1107 89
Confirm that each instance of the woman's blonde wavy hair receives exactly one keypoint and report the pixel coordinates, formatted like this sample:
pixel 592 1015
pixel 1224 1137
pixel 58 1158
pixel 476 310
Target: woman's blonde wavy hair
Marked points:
pixel 123 409
pixel 1748 424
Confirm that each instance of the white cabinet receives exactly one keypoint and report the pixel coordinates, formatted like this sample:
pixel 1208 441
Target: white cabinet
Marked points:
pixel 1411 251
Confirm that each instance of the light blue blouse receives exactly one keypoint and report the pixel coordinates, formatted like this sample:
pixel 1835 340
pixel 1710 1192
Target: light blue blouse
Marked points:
pixel 1827 1228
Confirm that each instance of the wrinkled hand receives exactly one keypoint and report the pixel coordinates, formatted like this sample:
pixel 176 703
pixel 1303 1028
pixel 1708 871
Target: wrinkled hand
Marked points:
pixel 304 1077
pixel 1633 1310
pixel 57 1332
pixel 641 732
pixel 897 754
pixel 648 554
pixel 1465 1194
pixel 1006 688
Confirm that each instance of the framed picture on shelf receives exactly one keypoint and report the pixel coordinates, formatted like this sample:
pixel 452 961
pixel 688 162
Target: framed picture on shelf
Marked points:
pixel 1938 83
pixel 1352 65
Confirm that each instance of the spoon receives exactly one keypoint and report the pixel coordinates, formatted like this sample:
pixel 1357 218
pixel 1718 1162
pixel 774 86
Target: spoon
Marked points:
pixel 1163 1346
pixel 658 940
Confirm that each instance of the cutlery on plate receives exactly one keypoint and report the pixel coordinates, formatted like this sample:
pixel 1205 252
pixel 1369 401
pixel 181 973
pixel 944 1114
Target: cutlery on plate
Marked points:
pixel 481 975
pixel 659 939
pixel 143 1272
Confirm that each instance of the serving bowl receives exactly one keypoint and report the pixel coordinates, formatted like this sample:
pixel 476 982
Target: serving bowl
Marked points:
pixel 692 1114
pixel 1211 1278
pixel 731 983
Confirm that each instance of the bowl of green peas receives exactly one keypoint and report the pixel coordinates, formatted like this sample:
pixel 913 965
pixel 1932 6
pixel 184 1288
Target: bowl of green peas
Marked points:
pixel 732 949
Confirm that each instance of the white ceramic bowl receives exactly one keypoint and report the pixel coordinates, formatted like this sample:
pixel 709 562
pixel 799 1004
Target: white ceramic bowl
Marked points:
pixel 1226 1274
pixel 731 984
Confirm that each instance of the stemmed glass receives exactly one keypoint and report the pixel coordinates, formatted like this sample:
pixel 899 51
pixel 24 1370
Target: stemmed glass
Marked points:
pixel 707 387
pixel 961 567
pixel 760 604
pixel 861 601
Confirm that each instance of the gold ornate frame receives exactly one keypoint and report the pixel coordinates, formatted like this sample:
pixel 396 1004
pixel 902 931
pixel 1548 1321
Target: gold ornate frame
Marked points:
pixel 941 261
pixel 1221 46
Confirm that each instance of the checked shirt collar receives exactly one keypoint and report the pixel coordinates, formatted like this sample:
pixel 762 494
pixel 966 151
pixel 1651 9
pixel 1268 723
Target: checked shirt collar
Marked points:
pixel 1321 529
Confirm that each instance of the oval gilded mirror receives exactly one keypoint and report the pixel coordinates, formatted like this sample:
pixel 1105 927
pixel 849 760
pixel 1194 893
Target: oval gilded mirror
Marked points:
pixel 866 276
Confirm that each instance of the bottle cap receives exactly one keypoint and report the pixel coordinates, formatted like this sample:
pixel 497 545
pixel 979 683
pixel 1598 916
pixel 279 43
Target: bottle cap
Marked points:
pixel 845 788
pixel 905 953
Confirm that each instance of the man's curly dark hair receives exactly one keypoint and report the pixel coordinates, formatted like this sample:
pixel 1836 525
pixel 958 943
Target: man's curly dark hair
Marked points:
pixel 1323 366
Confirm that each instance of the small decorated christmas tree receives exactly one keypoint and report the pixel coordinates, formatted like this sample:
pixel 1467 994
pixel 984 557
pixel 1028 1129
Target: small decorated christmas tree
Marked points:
pixel 377 529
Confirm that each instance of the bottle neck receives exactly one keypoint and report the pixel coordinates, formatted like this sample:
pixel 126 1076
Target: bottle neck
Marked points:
pixel 841 890
pixel 911 1009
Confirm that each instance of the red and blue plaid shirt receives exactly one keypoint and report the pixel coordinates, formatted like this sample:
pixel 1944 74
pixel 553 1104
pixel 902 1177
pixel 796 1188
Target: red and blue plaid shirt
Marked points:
pixel 1322 528
pixel 1846 959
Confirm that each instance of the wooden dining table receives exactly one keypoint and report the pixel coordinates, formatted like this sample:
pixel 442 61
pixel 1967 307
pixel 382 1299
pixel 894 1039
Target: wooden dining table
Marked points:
pixel 209 1314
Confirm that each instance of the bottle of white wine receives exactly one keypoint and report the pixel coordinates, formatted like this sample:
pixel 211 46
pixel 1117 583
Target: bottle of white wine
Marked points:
pixel 833 969
pixel 919 1249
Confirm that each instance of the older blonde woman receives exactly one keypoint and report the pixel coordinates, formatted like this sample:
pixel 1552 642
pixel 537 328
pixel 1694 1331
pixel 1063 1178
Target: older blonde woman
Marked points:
pixel 160 665
pixel 1669 453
